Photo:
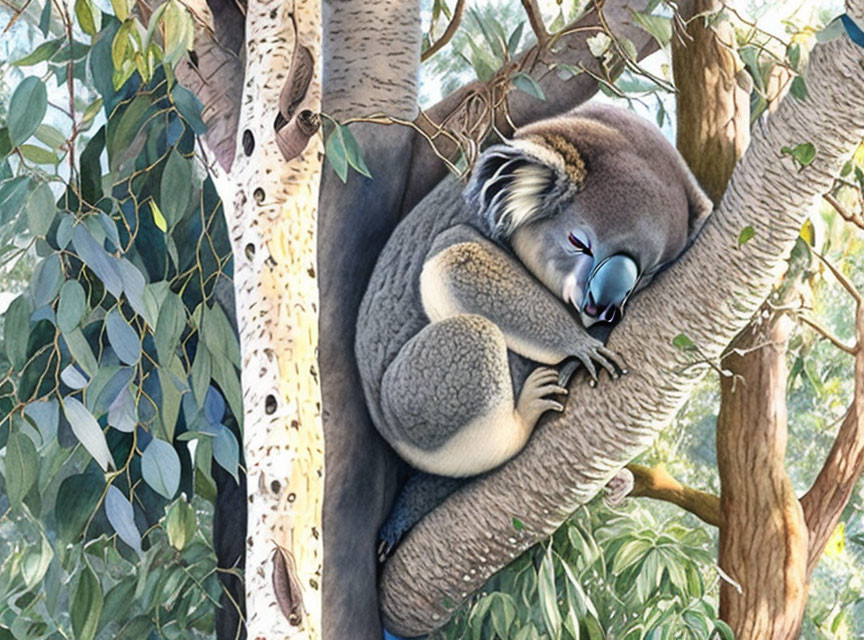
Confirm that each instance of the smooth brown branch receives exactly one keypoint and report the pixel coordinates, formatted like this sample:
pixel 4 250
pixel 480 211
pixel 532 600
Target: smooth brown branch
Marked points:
pixel 448 34
pixel 535 18
pixel 656 483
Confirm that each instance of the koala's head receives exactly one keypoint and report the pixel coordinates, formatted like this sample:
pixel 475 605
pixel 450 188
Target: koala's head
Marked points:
pixel 594 203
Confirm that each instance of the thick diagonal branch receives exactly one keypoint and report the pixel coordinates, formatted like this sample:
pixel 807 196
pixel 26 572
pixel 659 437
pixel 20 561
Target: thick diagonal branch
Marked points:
pixel 455 549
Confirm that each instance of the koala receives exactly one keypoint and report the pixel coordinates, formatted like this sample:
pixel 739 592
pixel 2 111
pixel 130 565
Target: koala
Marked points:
pixel 480 304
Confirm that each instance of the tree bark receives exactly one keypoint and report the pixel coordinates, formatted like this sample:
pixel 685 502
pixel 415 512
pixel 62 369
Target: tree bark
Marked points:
pixel 370 65
pixel 763 535
pixel 713 94
pixel 216 78
pixel 271 208
pixel 657 484
pixel 455 549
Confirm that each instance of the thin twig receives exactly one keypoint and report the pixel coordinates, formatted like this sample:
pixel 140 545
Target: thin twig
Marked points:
pixel 843 280
pixel 448 34
pixel 17 13
pixel 830 337
pixel 844 213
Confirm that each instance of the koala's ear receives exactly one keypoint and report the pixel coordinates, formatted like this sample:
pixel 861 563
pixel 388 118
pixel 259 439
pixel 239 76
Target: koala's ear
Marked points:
pixel 699 206
pixel 507 188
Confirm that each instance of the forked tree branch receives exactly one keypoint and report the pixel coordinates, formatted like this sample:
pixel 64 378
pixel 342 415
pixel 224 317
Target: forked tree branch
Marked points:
pixel 457 547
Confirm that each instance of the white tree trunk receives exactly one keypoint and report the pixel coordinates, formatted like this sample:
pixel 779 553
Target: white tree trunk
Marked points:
pixel 709 295
pixel 271 211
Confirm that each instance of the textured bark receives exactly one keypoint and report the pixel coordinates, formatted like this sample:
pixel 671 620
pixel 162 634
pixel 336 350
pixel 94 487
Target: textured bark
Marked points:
pixel 763 536
pixel 656 483
pixel 217 80
pixel 455 549
pixel 713 92
pixel 372 58
pixel 271 208
pixel 463 115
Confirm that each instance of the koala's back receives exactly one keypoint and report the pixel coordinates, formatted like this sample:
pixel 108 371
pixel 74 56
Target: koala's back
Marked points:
pixel 391 312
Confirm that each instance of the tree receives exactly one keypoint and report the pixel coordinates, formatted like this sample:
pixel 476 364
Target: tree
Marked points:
pixel 154 297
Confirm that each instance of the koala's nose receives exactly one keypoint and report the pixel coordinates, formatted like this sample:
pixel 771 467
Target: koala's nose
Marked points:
pixel 608 289
pixel 593 313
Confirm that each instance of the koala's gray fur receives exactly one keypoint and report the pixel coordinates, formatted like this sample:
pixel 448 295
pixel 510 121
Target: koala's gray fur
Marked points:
pixel 470 294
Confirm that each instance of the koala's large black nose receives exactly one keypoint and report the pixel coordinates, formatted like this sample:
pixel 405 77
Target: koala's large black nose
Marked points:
pixel 608 289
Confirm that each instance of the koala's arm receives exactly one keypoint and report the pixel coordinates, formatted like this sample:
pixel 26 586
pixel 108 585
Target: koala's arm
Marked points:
pixel 465 272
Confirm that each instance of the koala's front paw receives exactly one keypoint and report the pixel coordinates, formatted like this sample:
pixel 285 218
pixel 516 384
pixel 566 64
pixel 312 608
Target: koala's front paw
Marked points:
pixel 590 351
pixel 619 488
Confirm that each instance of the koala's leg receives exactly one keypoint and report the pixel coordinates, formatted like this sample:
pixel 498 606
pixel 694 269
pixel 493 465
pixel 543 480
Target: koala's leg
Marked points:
pixel 422 493
pixel 447 399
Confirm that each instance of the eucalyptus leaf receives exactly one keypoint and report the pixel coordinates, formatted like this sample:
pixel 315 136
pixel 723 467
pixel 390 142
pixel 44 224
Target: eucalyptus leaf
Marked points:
pixel 160 467
pixel 123 414
pixel 77 499
pixel 41 210
pixel 85 606
pixel 95 257
pixel 21 466
pixel 121 515
pixel 88 432
pixel 123 338
pixel 41 53
pixel 189 107
pixel 27 108
pixel 175 188
pixel 226 451
pixel 16 329
pixel 72 305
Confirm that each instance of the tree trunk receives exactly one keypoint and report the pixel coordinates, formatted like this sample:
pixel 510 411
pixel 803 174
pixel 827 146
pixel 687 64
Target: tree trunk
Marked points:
pixel 455 549
pixel 271 206
pixel 763 536
pixel 713 100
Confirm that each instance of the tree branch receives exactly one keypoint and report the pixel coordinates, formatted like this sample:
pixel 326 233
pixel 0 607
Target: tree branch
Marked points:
pixel 656 483
pixel 448 34
pixel 473 110
pixel 535 19
pixel 824 502
pixel 458 546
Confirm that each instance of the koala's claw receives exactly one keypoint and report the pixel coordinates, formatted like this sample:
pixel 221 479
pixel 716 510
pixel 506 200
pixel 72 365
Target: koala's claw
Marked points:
pixel 609 360
pixel 533 400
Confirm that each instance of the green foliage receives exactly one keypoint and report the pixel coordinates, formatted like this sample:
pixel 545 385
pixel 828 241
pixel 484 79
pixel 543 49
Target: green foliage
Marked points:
pixel 603 575
pixel 105 376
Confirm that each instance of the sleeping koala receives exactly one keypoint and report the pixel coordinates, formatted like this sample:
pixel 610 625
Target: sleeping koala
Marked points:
pixel 474 301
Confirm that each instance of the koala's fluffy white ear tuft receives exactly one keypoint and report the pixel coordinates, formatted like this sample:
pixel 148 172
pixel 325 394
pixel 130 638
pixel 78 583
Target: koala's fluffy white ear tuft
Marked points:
pixel 508 188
